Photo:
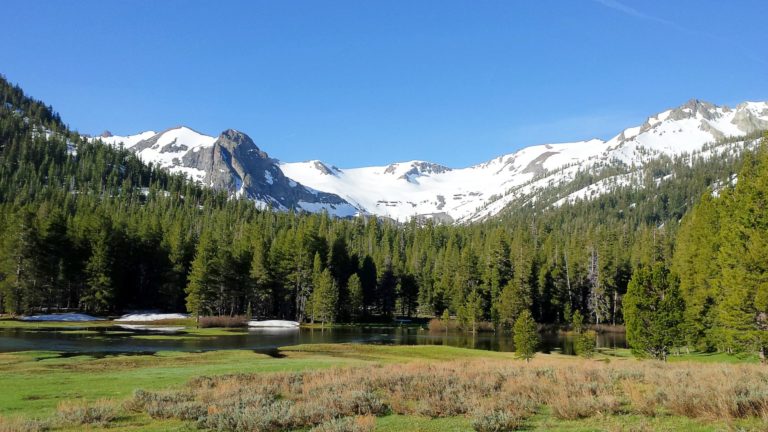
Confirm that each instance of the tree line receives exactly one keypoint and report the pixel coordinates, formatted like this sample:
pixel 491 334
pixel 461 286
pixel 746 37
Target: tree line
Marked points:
pixel 88 226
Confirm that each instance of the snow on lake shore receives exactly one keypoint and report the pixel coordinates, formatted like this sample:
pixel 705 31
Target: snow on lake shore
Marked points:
pixel 145 317
pixel 69 317
pixel 273 324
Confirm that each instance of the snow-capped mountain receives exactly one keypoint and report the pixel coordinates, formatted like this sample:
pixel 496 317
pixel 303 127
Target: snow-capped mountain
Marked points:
pixel 417 188
pixel 230 162
pixel 423 189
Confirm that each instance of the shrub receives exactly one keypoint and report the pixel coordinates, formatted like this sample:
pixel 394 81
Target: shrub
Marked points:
pixel 643 398
pixel 359 403
pixel 584 343
pixel 223 321
pixel 573 407
pixel 442 324
pixel 181 411
pixel 497 421
pixel 83 413
pixel 23 425
pixel 500 394
pixel 347 424
pixel 250 418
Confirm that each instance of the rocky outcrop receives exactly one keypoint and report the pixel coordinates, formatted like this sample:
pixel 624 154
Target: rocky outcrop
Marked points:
pixel 234 163
pixel 695 108
pixel 748 122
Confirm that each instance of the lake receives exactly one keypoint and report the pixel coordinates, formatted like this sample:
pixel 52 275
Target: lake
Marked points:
pixel 120 340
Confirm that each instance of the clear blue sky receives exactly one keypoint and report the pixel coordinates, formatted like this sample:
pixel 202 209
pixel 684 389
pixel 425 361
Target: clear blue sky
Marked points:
pixel 362 82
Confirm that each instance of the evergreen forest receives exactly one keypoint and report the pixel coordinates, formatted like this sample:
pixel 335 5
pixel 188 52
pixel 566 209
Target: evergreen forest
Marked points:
pixel 85 226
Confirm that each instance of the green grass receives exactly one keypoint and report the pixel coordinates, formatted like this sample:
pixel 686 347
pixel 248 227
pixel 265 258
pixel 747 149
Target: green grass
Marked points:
pixel 395 353
pixel 543 422
pixel 215 331
pixel 397 423
pixel 7 323
pixel 715 358
pixel 693 356
pixel 35 382
pixel 41 379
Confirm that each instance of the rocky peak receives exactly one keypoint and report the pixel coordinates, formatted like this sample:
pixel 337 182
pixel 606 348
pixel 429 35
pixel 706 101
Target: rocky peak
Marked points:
pixel 416 168
pixel 695 108
pixel 235 140
pixel 748 122
pixel 236 137
pixel 106 134
pixel 429 168
pixel 323 168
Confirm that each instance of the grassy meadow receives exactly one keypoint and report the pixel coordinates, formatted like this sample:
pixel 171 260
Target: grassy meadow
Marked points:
pixel 348 387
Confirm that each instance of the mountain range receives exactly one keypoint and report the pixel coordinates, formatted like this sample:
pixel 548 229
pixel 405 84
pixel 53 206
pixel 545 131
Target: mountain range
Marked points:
pixel 404 190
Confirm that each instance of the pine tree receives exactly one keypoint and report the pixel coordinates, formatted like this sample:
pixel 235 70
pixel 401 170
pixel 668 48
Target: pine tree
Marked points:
pixel 653 309
pixel 695 262
pixel 386 289
pixel 17 263
pixel 742 315
pixel 203 278
pixel 514 299
pixel 577 322
pixel 368 284
pixel 526 336
pixel 355 298
pixel 584 341
pixel 407 294
pixel 472 311
pixel 325 298
pixel 100 289
pixel 260 280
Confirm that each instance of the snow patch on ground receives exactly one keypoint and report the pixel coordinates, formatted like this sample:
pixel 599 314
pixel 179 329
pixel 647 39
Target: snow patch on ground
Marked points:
pixel 273 324
pixel 127 141
pixel 339 210
pixel 146 317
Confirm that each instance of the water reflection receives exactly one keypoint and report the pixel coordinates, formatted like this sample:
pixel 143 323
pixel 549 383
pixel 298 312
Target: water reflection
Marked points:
pixel 117 340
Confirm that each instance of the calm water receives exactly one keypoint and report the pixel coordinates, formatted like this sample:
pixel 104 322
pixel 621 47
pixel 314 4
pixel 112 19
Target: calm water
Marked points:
pixel 103 340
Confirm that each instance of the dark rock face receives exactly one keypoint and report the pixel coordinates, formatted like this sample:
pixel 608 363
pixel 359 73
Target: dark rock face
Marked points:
pixel 695 107
pixel 236 164
pixel 748 122
pixel 323 168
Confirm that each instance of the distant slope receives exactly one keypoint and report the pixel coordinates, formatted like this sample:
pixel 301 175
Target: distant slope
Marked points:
pixel 424 189
pixel 231 162
pixel 417 188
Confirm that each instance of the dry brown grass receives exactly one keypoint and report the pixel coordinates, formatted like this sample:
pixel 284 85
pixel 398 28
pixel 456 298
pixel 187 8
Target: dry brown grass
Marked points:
pixel 497 394
pixel 439 325
pixel 23 425
pixel 223 321
pixel 82 413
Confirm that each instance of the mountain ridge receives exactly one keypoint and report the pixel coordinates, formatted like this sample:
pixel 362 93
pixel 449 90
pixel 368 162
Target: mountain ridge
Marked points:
pixel 417 188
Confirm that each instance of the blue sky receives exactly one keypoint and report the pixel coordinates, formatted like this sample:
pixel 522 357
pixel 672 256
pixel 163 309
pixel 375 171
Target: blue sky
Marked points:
pixel 360 82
